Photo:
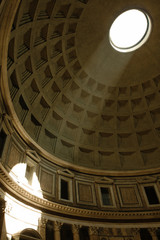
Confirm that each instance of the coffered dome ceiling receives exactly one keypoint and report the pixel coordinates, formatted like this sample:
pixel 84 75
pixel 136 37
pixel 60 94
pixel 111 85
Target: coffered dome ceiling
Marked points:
pixel 78 98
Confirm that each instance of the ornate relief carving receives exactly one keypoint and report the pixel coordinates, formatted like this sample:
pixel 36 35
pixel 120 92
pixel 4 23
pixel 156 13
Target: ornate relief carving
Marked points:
pixel 119 232
pixel 104 180
pixel 75 228
pixel 93 230
pixel 8 208
pixel 2 205
pixel 146 179
pixel 42 222
pixel 57 225
pixel 153 229
pixel 136 231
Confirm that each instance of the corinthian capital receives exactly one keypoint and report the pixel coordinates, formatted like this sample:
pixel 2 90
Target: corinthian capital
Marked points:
pixel 93 230
pixel 57 225
pixel 136 231
pixel 42 222
pixel 75 228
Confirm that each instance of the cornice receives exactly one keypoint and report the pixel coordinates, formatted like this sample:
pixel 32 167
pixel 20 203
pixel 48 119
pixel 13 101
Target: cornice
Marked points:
pixel 72 212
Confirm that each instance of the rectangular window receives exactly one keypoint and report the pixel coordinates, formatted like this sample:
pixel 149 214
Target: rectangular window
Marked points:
pixel 106 197
pixel 151 195
pixel 2 141
pixel 64 190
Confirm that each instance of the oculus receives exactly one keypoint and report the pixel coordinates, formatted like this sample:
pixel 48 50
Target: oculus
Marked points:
pixel 130 30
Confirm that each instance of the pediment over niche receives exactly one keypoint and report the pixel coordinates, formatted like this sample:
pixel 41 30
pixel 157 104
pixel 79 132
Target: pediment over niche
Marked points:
pixel 104 180
pixel 66 173
pixel 146 179
pixel 33 155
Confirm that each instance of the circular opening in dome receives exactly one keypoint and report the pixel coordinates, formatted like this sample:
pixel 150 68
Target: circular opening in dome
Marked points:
pixel 130 30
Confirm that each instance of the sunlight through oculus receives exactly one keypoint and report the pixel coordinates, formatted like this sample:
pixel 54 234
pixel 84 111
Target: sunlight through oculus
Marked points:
pixel 130 30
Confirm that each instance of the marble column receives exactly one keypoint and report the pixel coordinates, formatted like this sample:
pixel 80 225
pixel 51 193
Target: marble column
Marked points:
pixel 152 231
pixel 42 227
pixel 136 233
pixel 93 233
pixel 57 228
pixel 75 230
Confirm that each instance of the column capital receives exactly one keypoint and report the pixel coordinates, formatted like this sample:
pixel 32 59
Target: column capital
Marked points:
pixel 8 208
pixel 2 205
pixel 93 230
pixel 42 222
pixel 57 225
pixel 136 230
pixel 75 228
pixel 153 229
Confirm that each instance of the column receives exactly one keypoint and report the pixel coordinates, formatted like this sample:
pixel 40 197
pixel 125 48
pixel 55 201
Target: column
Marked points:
pixel 75 230
pixel 42 227
pixel 2 211
pixel 57 228
pixel 93 233
pixel 136 233
pixel 152 231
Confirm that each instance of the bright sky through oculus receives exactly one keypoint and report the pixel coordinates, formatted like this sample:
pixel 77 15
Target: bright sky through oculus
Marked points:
pixel 129 29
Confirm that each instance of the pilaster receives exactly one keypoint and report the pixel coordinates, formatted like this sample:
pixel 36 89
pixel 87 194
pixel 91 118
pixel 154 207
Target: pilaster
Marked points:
pixel 42 227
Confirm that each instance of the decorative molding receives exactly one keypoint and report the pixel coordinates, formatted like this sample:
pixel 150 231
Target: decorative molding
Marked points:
pixel 146 179
pixel 93 230
pixel 8 208
pixel 136 231
pixel 57 225
pixel 129 196
pixel 33 155
pixel 7 182
pixel 104 180
pixel 153 230
pixel 2 205
pixel 75 228
pixel 6 122
pixel 86 196
pixel 42 222
pixel 66 173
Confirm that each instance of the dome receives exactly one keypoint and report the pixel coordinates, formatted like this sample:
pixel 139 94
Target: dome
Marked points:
pixel 81 102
